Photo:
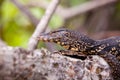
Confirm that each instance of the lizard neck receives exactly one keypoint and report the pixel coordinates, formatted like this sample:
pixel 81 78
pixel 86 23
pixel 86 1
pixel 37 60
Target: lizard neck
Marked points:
pixel 74 41
pixel 81 43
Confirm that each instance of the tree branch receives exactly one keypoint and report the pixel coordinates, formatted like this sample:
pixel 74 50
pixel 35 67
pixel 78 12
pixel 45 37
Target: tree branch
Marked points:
pixel 42 25
pixel 20 64
pixel 86 7
pixel 77 10
pixel 25 11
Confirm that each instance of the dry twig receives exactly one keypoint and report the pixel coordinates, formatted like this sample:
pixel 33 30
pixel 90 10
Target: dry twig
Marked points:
pixel 42 25
pixel 77 10
pixel 26 11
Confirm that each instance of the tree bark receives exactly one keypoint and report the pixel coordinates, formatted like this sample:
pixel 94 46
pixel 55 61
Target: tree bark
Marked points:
pixel 20 64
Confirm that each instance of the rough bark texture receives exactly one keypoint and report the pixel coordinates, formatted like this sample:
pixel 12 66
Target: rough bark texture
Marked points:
pixel 20 64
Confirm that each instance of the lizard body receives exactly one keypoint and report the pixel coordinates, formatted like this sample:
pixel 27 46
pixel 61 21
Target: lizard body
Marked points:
pixel 109 48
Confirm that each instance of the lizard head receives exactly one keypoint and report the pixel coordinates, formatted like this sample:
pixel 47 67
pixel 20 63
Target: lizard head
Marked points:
pixel 61 37
pixel 69 39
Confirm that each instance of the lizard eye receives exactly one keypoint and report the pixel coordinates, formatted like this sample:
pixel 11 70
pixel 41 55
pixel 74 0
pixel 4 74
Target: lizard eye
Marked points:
pixel 66 34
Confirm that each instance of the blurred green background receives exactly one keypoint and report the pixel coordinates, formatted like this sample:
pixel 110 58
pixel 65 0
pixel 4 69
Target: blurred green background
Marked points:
pixel 16 28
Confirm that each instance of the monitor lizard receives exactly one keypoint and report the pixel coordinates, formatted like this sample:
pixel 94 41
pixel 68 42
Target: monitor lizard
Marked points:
pixel 109 48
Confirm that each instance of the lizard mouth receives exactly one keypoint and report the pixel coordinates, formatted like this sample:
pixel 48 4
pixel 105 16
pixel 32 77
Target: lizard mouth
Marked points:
pixel 48 38
pixel 44 38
